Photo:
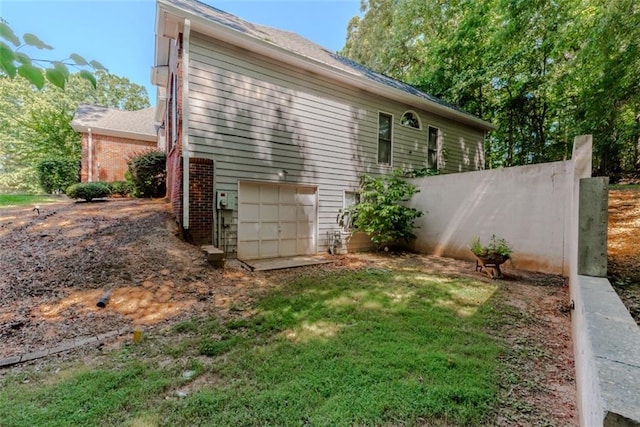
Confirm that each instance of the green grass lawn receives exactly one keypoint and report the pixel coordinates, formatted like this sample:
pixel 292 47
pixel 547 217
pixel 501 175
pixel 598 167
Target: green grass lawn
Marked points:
pixel 634 187
pixel 373 347
pixel 15 200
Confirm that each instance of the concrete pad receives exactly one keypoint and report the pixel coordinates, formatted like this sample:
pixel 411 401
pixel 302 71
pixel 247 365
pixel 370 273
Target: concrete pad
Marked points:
pixel 281 263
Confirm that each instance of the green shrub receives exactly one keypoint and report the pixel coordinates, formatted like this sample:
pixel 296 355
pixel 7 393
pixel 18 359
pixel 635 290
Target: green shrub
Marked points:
pixel 88 191
pixel 122 188
pixel 57 173
pixel 380 212
pixel 149 174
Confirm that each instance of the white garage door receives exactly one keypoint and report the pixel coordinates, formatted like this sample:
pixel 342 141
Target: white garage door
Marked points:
pixel 276 220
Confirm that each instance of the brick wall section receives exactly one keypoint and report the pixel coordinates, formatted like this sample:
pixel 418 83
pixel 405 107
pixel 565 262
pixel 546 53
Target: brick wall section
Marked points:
pixel 111 153
pixel 201 201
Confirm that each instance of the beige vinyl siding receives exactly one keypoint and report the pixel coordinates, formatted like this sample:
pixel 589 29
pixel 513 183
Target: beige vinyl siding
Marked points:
pixel 256 117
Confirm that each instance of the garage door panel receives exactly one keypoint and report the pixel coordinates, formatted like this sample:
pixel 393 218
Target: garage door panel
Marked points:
pixel 248 212
pixel 288 195
pixel 250 192
pixel 276 220
pixel 269 194
pixel 288 213
pixel 269 249
pixel 289 247
pixel 250 250
pixel 269 213
pixel 306 197
pixel 249 231
pixel 306 213
pixel 269 230
pixel 306 230
pixel 288 230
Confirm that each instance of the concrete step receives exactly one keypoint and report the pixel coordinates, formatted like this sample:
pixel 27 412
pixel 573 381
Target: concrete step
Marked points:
pixel 215 256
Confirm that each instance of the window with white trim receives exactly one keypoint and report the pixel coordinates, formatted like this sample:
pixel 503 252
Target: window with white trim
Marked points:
pixel 432 148
pixel 385 132
pixel 410 119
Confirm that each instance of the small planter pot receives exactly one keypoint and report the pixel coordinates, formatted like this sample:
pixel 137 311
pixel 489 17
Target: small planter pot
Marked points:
pixel 490 264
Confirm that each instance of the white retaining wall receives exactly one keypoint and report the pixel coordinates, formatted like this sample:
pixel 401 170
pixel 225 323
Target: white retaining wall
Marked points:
pixel 526 205
pixel 536 208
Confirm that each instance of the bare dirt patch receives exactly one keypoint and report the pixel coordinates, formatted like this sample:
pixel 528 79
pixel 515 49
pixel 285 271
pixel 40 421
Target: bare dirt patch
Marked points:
pixel 624 247
pixel 56 265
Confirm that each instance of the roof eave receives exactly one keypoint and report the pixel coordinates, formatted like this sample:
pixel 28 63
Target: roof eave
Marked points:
pixel 114 132
pixel 218 31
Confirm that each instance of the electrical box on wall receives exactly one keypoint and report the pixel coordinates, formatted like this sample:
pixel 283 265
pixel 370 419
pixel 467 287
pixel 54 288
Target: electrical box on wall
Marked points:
pixel 225 200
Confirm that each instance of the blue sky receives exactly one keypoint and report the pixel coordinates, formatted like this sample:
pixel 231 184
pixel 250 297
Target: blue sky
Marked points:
pixel 120 33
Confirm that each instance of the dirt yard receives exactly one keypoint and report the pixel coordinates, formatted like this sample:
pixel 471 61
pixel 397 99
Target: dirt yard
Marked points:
pixel 624 247
pixel 56 265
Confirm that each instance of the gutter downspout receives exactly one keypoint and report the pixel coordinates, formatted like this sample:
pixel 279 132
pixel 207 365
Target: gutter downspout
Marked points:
pixel 185 123
pixel 90 165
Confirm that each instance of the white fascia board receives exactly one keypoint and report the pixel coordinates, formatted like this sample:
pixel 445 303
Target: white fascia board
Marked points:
pixel 114 132
pixel 218 31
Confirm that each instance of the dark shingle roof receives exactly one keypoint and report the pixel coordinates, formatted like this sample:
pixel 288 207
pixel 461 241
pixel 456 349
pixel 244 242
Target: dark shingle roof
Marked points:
pixel 297 44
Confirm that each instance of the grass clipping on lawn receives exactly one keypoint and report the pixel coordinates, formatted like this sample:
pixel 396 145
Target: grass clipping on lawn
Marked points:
pixel 370 347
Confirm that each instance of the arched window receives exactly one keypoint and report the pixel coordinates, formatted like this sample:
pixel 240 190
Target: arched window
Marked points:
pixel 410 119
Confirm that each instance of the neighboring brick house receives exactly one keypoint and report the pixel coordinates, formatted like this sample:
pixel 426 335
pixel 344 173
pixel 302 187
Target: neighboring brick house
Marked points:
pixel 110 137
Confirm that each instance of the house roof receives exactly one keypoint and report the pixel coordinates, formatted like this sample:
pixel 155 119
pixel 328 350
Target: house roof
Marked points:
pixel 111 121
pixel 293 48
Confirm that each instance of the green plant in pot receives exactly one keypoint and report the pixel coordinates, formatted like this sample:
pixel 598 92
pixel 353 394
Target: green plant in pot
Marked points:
pixel 490 256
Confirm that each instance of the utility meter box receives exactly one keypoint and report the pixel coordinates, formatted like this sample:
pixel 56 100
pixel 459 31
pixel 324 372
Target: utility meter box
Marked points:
pixel 225 200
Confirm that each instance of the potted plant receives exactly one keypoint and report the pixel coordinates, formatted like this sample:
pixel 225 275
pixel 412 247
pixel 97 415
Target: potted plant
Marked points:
pixel 491 256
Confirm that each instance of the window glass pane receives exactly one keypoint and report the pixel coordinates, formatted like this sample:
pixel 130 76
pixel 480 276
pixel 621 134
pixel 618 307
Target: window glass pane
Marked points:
pixel 351 198
pixel 410 119
pixel 433 138
pixel 385 126
pixel 384 152
pixel 432 148
pixel 384 138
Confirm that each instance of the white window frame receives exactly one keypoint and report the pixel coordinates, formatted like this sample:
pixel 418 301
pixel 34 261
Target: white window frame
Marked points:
pixel 380 113
pixel 416 115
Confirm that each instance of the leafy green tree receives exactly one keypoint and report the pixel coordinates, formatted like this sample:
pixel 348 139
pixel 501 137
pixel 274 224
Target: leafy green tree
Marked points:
pixel 15 61
pixel 36 123
pixel 541 71
pixel 380 212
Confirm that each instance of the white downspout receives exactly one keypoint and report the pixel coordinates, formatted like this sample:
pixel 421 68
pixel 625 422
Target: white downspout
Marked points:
pixel 185 123
pixel 90 165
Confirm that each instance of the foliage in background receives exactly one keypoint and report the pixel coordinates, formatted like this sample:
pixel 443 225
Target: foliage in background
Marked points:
pixel 149 174
pixel 380 212
pixel 55 174
pixel 543 72
pixel 36 123
pixel 122 188
pixel 88 191
pixel 14 61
